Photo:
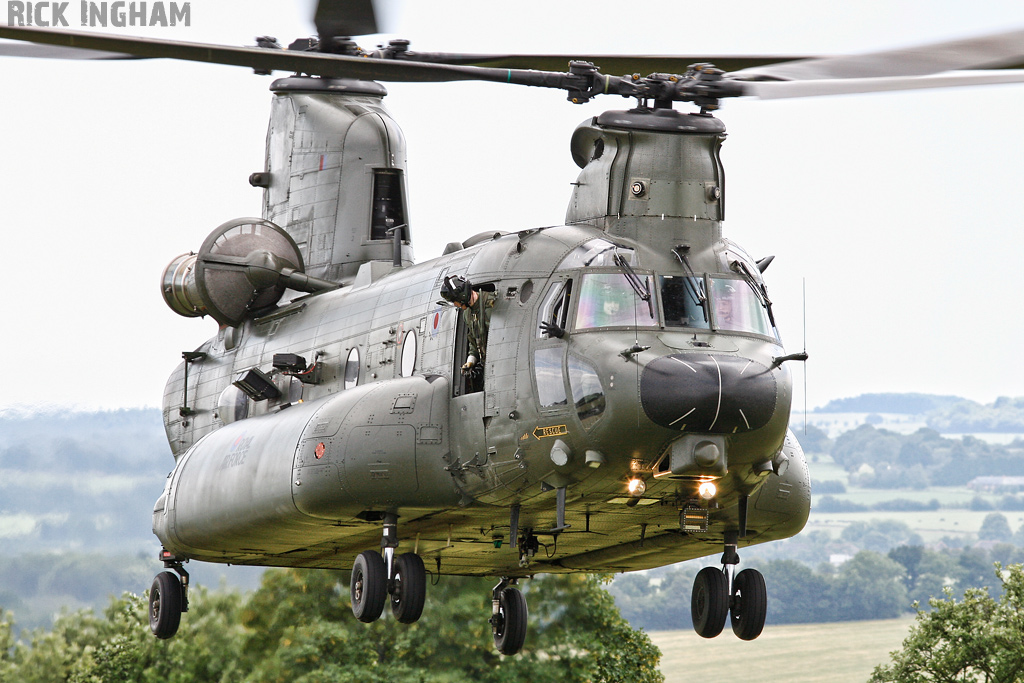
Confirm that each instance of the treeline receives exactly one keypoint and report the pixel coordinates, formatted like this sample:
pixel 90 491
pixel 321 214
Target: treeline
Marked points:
pixel 879 458
pixel 298 627
pixel 870 585
pixel 832 504
pixel 81 480
pixel 35 587
pixel 942 413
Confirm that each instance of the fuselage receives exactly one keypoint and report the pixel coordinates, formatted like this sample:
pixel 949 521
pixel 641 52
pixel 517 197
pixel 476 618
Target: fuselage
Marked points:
pixel 676 388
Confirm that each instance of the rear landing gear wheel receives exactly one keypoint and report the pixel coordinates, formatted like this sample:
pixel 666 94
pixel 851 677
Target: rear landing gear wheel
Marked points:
pixel 369 586
pixel 709 604
pixel 408 588
pixel 165 603
pixel 749 604
pixel 509 624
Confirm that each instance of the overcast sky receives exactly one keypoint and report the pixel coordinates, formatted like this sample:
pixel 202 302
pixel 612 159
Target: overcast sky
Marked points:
pixel 903 212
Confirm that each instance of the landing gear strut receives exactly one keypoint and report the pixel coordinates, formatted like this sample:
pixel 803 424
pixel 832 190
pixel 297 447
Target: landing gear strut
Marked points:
pixel 718 594
pixel 374 577
pixel 168 597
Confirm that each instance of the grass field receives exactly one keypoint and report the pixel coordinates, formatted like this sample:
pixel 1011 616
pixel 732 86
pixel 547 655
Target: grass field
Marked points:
pixel 843 652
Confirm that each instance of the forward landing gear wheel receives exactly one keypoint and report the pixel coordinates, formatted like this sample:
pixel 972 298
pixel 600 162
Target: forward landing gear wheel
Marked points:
pixel 749 604
pixel 510 622
pixel 369 586
pixel 408 588
pixel 165 604
pixel 709 604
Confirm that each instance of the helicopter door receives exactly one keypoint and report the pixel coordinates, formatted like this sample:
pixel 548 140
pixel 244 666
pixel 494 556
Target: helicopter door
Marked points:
pixel 464 384
pixel 467 414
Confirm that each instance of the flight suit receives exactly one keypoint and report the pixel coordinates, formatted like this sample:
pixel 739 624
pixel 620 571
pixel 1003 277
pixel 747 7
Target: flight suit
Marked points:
pixel 478 319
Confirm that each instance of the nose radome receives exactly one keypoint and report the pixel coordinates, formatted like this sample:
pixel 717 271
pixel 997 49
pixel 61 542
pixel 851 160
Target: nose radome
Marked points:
pixel 708 393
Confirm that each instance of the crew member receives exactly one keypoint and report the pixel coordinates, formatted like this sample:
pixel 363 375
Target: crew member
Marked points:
pixel 460 292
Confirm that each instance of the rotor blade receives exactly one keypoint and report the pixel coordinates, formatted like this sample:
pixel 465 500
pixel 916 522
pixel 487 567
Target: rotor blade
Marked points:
pixel 55 52
pixel 313 63
pixel 769 90
pixel 996 51
pixel 609 64
pixel 345 18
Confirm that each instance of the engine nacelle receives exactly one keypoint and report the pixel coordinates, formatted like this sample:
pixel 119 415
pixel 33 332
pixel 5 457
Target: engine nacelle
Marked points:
pixel 243 268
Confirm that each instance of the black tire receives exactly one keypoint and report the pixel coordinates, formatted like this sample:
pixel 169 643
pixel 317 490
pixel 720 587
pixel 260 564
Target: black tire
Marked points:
pixel 369 586
pixel 510 629
pixel 749 604
pixel 408 588
pixel 709 604
pixel 165 601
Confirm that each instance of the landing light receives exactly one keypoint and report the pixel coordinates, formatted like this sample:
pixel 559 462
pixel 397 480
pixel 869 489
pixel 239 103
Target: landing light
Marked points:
pixel 636 487
pixel 707 490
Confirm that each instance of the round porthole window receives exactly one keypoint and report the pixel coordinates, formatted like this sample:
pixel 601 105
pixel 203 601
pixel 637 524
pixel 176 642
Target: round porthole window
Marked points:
pixel 232 405
pixel 408 354
pixel 352 368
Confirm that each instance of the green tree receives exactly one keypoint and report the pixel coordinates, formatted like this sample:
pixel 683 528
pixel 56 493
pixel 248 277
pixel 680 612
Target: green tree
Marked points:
pixel 975 639
pixel 870 586
pixel 796 594
pixel 83 647
pixel 302 630
pixel 995 527
pixel 6 646
pixel 298 627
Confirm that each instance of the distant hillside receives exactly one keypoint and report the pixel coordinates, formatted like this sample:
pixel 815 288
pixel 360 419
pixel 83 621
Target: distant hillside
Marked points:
pixel 946 414
pixel 72 481
pixel 905 404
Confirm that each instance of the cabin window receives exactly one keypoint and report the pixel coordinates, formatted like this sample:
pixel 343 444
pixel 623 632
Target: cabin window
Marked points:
pixel 547 368
pixel 608 300
pixel 737 307
pixel 587 394
pixel 352 368
pixel 232 405
pixel 408 354
pixel 292 390
pixel 596 253
pixel 684 300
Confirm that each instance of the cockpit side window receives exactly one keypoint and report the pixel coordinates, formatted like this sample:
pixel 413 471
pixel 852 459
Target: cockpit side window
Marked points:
pixel 554 308
pixel 608 300
pixel 738 308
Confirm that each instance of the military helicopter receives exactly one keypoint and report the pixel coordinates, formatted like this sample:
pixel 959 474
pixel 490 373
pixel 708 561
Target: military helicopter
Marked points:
pixel 329 415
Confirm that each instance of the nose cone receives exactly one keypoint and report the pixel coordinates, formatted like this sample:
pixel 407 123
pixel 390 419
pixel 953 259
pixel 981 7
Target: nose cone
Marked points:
pixel 708 393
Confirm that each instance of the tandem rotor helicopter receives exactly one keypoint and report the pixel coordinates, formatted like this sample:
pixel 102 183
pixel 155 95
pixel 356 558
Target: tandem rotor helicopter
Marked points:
pixel 628 408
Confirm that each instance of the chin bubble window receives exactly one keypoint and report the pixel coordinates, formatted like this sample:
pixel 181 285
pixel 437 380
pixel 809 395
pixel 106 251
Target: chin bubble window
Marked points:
pixel 547 368
pixel 587 394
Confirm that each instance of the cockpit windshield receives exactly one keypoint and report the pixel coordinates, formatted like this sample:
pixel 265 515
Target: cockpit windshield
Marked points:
pixel 685 302
pixel 608 300
pixel 737 307
pixel 730 304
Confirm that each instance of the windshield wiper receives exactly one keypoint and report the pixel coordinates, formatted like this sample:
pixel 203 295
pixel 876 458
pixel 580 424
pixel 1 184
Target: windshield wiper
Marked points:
pixel 760 291
pixel 641 287
pixel 692 283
